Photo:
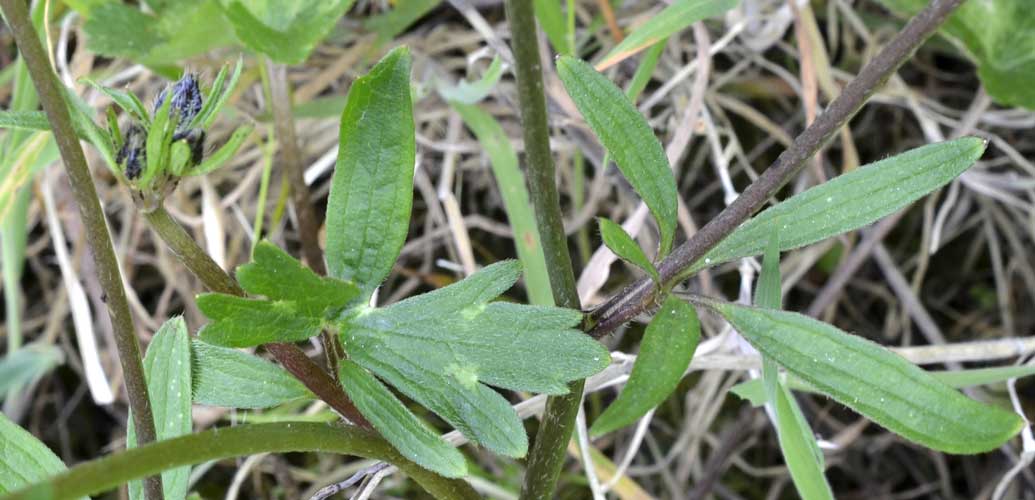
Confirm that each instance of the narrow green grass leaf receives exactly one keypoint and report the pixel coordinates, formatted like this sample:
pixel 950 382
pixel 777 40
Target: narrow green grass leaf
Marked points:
pixel 471 92
pixel 644 70
pixel 24 120
pixel 392 23
pixel 225 152
pixel 666 350
pixel 797 444
pixel 753 392
pixel 511 182
pixel 873 381
pixel 671 20
pixel 626 247
pixel 629 139
pixel 368 210
pixel 554 23
pixel 24 460
pixel 25 366
pixel 167 367
pixel 440 347
pixel 399 426
pixel 849 201
pixel 235 379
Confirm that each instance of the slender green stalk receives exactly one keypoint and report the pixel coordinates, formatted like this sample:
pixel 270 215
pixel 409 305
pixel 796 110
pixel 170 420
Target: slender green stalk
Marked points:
pixel 108 273
pixel 638 297
pixel 548 452
pixel 97 476
pixel 217 280
pixel 190 254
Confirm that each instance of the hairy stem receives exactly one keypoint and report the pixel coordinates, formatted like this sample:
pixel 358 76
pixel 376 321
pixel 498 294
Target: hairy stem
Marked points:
pixel 214 278
pixel 108 273
pixel 639 296
pixel 548 451
pixel 190 254
pixel 97 476
pixel 291 159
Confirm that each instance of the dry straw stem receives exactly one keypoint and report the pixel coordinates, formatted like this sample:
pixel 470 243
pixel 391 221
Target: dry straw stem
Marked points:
pixel 108 273
pixel 638 297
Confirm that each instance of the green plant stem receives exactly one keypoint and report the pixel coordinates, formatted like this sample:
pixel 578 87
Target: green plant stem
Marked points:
pixel 291 159
pixel 108 273
pixel 639 296
pixel 190 254
pixel 548 451
pixel 97 476
pixel 214 278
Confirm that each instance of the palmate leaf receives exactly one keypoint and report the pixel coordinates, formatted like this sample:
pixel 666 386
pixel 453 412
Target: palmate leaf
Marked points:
pixel 440 347
pixel 849 201
pixel 298 302
pixel 873 381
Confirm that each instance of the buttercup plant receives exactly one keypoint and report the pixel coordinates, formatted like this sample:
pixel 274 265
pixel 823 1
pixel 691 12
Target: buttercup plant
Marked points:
pixel 447 349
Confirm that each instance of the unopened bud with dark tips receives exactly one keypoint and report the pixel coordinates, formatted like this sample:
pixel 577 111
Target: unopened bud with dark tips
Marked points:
pixel 186 100
pixel 133 153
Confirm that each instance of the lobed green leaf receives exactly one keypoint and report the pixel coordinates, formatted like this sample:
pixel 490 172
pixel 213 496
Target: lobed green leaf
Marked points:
pixel 167 367
pixel 279 276
pixel 626 247
pixel 873 381
pixel 438 348
pixel 368 210
pixel 299 302
pixel 629 139
pixel 234 379
pixel 849 201
pixel 666 350
pixel 411 437
pixel 241 322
